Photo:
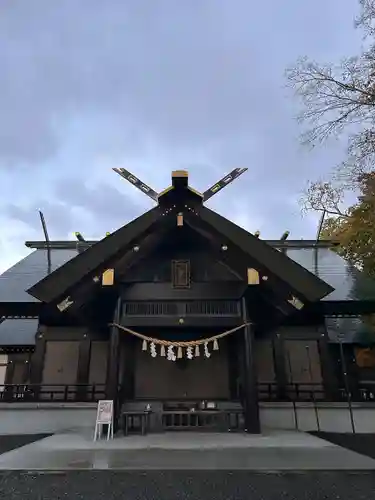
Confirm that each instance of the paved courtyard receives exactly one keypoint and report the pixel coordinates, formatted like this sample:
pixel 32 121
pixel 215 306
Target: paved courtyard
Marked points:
pixel 273 451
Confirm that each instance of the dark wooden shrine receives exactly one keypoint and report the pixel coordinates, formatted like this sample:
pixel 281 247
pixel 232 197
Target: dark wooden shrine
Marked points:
pixel 178 272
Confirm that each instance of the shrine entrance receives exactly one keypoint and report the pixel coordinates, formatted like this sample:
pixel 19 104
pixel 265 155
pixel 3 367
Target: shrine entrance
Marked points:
pixel 199 378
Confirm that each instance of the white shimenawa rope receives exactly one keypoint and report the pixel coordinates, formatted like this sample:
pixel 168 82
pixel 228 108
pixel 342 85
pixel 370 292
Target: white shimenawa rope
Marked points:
pixel 179 345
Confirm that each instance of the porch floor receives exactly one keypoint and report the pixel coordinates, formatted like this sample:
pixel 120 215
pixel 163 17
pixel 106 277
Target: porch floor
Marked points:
pixel 272 450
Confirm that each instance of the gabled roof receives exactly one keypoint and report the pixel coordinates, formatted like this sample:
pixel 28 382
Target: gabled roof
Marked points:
pixel 300 279
pixel 310 268
pixel 178 198
pixel 62 279
pixel 349 283
pixel 15 281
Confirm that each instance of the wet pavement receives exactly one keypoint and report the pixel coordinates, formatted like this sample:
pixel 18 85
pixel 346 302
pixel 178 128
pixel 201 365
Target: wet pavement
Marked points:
pixel 197 485
pixel 259 459
pixel 186 451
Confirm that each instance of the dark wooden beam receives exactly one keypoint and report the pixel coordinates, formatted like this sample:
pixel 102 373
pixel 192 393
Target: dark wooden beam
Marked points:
pixel 83 367
pixel 9 374
pixel 72 244
pixel 96 257
pixel 73 333
pixel 280 366
pixel 231 290
pixel 330 381
pixel 303 282
pixel 174 321
pixel 16 309
pixel 249 386
pixel 84 291
pixel 37 362
pixel 46 236
pixel 233 257
pixel 128 345
pixel 79 236
pixel 223 182
pixel 233 372
pixel 345 307
pixel 112 381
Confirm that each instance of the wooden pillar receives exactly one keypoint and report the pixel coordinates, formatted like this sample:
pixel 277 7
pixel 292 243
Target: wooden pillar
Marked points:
pixel 83 367
pixel 280 367
pixel 37 363
pixel 9 373
pixel 330 381
pixel 113 360
pixel 249 380
pixel 350 367
pixel 232 349
pixel 128 368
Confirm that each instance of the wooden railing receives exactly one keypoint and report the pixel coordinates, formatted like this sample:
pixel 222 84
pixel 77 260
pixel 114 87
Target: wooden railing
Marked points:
pixel 212 308
pixel 270 392
pixel 300 392
pixel 202 419
pixel 291 392
pixel 51 393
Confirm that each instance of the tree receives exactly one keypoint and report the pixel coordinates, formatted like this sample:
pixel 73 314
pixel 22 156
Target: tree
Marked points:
pixel 339 98
pixel 355 231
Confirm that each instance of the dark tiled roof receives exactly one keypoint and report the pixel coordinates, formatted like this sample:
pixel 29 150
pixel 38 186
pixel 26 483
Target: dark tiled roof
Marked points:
pixel 348 282
pixel 306 284
pixel 349 330
pixel 28 271
pixel 18 332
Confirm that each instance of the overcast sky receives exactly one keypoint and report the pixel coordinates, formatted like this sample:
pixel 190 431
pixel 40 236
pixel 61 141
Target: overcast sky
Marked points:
pixel 153 86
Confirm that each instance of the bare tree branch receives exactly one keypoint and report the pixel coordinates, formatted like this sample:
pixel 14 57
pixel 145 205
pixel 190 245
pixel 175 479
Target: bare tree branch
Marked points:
pixel 334 98
pixel 324 196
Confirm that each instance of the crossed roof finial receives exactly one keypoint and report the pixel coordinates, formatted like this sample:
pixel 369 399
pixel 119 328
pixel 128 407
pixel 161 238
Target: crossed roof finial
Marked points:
pixel 180 176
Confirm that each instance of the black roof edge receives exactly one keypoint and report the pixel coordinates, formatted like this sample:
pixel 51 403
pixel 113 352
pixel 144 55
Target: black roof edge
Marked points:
pixel 54 285
pixel 76 245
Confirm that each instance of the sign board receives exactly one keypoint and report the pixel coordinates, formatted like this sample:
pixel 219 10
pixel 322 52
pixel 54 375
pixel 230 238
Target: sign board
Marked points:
pixel 105 412
pixel 104 416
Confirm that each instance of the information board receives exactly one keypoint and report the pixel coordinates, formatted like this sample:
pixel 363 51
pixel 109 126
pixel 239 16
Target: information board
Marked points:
pixel 104 416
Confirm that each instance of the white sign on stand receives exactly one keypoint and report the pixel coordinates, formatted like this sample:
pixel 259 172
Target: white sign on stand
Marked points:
pixel 104 416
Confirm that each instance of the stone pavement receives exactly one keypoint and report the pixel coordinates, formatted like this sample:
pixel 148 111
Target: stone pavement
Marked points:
pixel 186 485
pixel 272 451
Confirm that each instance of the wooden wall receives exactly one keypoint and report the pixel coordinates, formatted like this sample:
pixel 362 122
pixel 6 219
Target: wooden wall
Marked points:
pixel 77 356
pixel 200 378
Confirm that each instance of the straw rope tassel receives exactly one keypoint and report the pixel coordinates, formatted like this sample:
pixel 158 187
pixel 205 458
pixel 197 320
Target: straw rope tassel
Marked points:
pixel 179 352
pixel 162 351
pixel 216 345
pixel 183 344
pixel 197 353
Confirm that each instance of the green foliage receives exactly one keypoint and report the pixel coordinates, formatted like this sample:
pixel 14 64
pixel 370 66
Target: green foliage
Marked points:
pixel 355 232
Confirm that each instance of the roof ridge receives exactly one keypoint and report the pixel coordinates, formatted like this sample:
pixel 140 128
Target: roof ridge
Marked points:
pixel 74 244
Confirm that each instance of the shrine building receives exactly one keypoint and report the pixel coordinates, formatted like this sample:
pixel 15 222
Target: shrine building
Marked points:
pixel 181 310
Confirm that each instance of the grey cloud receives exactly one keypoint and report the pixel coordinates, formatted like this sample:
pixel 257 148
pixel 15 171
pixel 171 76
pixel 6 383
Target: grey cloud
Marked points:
pixel 102 202
pixel 103 208
pixel 58 217
pixel 195 75
pixel 199 81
